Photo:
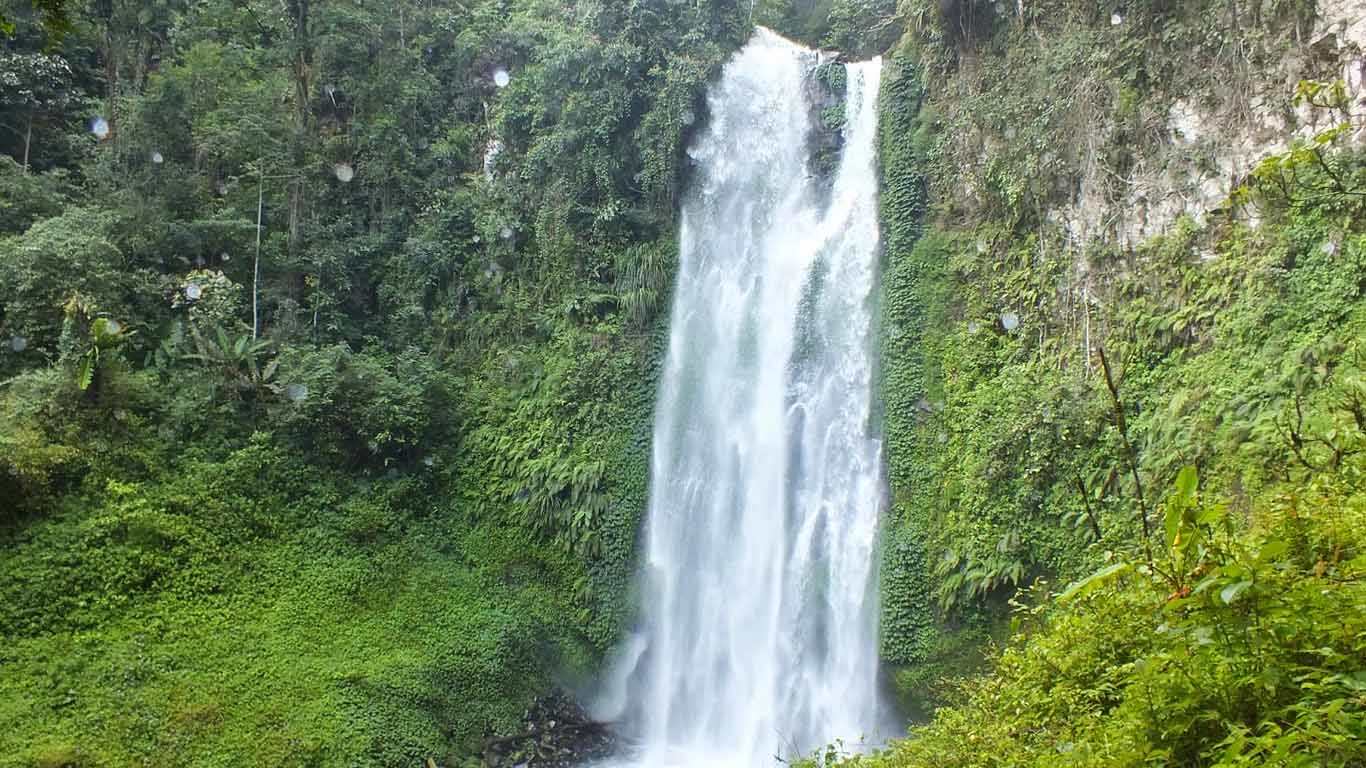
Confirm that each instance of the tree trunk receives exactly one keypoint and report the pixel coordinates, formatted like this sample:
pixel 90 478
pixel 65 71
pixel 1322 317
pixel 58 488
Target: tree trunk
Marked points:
pixel 256 266
pixel 28 141
pixel 303 72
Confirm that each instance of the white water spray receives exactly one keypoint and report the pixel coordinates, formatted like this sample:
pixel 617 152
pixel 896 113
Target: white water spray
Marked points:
pixel 759 632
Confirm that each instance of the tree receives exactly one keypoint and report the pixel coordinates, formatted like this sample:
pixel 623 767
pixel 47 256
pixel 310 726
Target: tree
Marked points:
pixel 35 89
pixel 55 258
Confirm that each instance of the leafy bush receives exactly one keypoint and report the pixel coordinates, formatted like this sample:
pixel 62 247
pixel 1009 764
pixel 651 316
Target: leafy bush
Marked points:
pixel 54 259
pixel 1227 650
pixel 28 197
pixel 362 409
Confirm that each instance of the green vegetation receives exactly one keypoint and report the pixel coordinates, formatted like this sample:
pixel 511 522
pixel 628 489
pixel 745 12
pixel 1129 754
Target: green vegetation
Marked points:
pixel 328 335
pixel 858 28
pixel 1044 394
pixel 1232 649
pixel 355 487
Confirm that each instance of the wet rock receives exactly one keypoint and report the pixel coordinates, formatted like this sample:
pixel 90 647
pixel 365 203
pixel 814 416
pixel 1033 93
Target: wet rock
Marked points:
pixel 825 95
pixel 555 733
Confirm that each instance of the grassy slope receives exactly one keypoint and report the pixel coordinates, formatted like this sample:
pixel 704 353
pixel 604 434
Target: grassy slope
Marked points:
pixel 248 609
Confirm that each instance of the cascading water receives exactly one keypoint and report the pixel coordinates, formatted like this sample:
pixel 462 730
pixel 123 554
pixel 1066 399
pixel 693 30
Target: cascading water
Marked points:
pixel 759 633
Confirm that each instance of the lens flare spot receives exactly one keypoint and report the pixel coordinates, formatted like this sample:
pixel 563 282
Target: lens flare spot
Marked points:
pixel 296 393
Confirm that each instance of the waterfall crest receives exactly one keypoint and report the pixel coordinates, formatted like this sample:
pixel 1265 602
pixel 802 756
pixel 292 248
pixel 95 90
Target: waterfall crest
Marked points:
pixel 758 637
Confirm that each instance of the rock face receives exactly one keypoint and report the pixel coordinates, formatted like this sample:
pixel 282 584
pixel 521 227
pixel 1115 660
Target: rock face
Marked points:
pixel 556 733
pixel 825 94
pixel 1214 142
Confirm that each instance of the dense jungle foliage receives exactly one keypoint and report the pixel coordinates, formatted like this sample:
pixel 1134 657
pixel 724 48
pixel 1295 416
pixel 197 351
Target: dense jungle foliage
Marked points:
pixel 1127 478
pixel 328 334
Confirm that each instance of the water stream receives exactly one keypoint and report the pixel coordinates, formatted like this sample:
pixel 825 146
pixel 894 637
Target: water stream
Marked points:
pixel 758 638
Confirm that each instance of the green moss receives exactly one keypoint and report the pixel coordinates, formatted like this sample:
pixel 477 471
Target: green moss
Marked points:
pixel 1006 463
pixel 909 277
pixel 833 78
pixel 64 756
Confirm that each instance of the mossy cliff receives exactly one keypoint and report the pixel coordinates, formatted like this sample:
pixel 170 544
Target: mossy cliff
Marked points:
pixel 1094 301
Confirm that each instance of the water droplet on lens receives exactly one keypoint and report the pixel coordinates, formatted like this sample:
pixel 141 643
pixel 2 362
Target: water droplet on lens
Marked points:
pixel 344 172
pixel 100 127
pixel 193 291
pixel 18 343
pixel 501 78
pixel 297 392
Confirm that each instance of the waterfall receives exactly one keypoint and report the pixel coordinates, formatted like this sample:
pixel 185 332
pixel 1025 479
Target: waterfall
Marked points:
pixel 758 635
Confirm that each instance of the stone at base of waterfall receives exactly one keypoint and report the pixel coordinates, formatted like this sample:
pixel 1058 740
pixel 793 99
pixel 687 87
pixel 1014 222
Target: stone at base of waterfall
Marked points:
pixel 555 733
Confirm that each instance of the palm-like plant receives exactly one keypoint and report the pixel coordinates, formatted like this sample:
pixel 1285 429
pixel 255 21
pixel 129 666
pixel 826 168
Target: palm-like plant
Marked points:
pixel 642 282
pixel 241 360
pixel 105 334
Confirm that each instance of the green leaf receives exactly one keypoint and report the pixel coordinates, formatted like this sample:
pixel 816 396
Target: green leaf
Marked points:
pixel 1272 550
pixel 85 374
pixel 1205 584
pixel 1209 515
pixel 1172 524
pixel 1181 500
pixel 1186 483
pixel 1093 582
pixel 1230 593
